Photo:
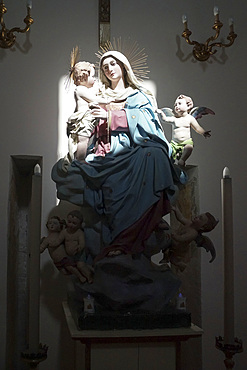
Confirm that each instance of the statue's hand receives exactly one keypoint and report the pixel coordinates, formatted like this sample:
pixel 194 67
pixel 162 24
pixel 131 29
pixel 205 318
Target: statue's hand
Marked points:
pixel 207 134
pixel 98 112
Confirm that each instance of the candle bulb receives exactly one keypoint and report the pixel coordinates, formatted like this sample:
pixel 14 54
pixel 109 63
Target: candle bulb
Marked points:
pixel 184 20
pixel 216 13
pixel 231 24
pixel 227 236
pixel 216 10
pixel 226 172
pixel 37 169
pixel 29 4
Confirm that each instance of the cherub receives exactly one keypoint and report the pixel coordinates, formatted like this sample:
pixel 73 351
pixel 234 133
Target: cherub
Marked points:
pixel 182 119
pixel 175 243
pixel 74 242
pixel 79 131
pixel 62 261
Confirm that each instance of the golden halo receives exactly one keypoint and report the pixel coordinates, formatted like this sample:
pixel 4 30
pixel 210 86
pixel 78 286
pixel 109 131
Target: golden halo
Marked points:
pixel 74 58
pixel 135 55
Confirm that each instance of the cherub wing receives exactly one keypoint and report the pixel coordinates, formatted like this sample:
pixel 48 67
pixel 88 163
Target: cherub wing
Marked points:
pixel 206 243
pixel 168 112
pixel 198 112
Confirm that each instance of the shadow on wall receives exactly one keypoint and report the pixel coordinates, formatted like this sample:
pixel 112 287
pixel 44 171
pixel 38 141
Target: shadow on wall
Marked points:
pixel 24 48
pixel 53 291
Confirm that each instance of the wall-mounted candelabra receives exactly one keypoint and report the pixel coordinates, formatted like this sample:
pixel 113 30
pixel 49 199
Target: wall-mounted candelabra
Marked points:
pixel 203 51
pixel 8 37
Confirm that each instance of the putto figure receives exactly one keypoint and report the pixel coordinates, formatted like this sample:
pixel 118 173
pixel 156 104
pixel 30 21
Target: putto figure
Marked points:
pixel 66 246
pixel 80 123
pixel 183 118
pixel 176 242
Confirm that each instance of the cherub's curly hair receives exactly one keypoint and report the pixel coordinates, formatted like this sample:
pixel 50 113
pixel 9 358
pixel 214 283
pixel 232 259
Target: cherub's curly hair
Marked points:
pixel 77 214
pixel 61 222
pixel 212 222
pixel 188 100
pixel 85 70
pixel 84 66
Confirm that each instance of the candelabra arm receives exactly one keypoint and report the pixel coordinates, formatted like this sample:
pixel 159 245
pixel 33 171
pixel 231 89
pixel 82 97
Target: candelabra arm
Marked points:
pixel 231 37
pixel 217 26
pixel 7 37
pixel 186 34
pixel 28 20
pixel 3 10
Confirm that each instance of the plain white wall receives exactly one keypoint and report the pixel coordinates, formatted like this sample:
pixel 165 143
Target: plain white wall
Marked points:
pixel 29 125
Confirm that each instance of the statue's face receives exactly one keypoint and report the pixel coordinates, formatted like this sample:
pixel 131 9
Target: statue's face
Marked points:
pixel 180 106
pixel 73 223
pixel 200 221
pixel 53 225
pixel 112 69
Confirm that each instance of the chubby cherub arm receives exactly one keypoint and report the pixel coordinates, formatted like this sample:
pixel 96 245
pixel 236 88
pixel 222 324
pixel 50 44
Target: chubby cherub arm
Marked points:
pixel 180 217
pixel 44 243
pixel 164 118
pixel 88 95
pixel 81 240
pixel 199 129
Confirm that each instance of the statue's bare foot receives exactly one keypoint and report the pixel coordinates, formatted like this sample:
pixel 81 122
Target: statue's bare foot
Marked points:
pixel 181 163
pixel 82 279
pixel 179 264
pixel 114 253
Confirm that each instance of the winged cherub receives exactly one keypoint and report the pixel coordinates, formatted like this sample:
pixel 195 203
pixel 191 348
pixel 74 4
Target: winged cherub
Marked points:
pixel 182 118
pixel 176 242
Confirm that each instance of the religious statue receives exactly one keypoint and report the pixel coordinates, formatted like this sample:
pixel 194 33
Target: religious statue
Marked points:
pixel 81 124
pixel 130 182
